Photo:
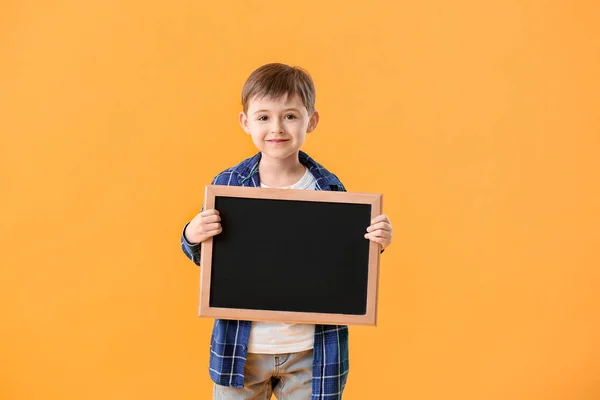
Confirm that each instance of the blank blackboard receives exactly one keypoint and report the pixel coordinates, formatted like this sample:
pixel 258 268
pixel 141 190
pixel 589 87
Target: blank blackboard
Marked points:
pixel 291 255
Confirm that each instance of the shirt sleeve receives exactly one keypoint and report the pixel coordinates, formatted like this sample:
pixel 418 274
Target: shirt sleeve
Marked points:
pixel 191 250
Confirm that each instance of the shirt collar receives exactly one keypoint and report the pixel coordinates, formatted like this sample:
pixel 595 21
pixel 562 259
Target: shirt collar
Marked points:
pixel 325 179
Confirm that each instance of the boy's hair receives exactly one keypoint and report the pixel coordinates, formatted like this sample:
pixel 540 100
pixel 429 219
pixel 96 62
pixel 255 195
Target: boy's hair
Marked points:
pixel 275 80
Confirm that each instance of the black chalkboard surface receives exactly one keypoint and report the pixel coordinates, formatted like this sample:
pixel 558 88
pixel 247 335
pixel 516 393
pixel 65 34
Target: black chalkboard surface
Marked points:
pixel 291 255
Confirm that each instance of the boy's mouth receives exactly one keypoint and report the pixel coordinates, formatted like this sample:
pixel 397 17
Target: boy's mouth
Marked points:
pixel 277 141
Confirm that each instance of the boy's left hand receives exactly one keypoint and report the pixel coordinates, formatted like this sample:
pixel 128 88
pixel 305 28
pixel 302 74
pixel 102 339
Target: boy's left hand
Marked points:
pixel 380 231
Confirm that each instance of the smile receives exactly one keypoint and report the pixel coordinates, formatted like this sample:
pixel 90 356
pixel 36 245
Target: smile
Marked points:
pixel 277 141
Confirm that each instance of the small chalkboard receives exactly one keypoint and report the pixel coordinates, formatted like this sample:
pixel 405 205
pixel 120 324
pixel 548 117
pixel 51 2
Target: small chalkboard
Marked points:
pixel 291 256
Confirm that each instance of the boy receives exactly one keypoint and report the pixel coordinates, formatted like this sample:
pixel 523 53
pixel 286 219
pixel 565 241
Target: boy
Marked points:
pixel 251 360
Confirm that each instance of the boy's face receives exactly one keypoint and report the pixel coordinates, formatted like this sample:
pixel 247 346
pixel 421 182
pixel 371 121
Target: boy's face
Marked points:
pixel 278 126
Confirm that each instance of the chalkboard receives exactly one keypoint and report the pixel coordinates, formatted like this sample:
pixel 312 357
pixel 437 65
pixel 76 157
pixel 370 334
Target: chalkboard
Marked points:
pixel 291 255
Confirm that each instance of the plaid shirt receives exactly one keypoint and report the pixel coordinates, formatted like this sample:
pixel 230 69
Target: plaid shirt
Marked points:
pixel 229 342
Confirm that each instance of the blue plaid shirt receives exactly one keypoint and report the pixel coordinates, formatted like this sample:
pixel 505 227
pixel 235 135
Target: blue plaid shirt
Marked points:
pixel 229 342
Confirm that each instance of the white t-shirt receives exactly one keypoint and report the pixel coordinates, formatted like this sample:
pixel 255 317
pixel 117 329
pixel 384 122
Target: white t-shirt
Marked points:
pixel 278 337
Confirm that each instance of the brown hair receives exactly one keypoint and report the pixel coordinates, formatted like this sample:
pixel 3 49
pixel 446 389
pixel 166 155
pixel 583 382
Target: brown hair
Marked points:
pixel 275 80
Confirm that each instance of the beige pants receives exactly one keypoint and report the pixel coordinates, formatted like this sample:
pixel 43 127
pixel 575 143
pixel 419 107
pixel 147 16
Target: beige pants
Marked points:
pixel 289 376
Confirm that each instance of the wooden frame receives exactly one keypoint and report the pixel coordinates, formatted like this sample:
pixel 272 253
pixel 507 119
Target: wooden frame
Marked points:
pixel 370 318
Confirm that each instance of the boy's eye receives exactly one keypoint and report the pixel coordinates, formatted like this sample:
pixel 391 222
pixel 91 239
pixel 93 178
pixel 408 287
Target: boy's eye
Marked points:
pixel 262 118
pixel 290 116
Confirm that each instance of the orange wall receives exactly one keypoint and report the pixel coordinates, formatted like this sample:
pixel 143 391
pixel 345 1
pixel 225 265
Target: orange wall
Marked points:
pixel 478 122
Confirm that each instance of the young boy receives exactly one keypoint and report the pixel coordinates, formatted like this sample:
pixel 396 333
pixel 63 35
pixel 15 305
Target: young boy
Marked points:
pixel 251 360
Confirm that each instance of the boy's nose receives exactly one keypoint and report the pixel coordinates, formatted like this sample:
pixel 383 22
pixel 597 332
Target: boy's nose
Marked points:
pixel 277 127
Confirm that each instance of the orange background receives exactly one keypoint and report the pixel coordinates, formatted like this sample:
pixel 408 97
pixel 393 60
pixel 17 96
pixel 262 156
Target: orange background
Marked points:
pixel 479 122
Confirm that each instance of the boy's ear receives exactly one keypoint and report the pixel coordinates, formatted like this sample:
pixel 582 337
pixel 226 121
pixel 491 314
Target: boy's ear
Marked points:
pixel 313 122
pixel 244 122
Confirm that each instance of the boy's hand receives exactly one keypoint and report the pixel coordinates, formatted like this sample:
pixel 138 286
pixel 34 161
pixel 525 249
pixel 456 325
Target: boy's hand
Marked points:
pixel 380 231
pixel 204 225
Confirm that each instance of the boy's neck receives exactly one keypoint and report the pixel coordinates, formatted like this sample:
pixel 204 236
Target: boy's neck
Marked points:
pixel 280 173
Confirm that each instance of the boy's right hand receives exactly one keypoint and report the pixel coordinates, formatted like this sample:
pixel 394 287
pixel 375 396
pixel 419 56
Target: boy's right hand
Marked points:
pixel 204 225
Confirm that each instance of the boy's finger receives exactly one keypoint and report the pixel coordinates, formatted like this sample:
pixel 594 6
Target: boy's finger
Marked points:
pixel 210 219
pixel 380 225
pixel 215 232
pixel 380 233
pixel 379 218
pixel 377 235
pixel 209 212
pixel 212 227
